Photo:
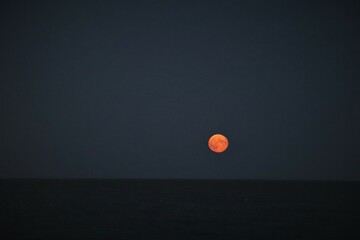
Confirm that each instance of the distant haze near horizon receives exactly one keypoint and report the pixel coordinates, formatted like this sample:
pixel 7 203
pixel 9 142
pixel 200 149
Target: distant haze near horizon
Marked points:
pixel 134 89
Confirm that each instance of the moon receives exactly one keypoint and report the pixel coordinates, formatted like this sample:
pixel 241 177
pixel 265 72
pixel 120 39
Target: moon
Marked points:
pixel 218 143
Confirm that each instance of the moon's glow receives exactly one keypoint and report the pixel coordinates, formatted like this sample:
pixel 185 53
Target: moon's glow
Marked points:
pixel 218 143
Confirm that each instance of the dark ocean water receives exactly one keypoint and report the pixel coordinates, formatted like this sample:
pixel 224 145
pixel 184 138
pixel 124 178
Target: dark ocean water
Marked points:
pixel 179 209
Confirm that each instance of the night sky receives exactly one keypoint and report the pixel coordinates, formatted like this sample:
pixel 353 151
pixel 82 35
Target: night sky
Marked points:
pixel 134 89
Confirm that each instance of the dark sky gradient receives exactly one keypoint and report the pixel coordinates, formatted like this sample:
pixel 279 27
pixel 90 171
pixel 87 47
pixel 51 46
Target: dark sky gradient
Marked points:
pixel 134 89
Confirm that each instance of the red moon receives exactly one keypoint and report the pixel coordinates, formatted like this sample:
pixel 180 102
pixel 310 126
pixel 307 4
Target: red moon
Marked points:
pixel 218 143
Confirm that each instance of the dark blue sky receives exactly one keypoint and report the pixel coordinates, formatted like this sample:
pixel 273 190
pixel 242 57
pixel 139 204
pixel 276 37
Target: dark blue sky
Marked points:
pixel 136 88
